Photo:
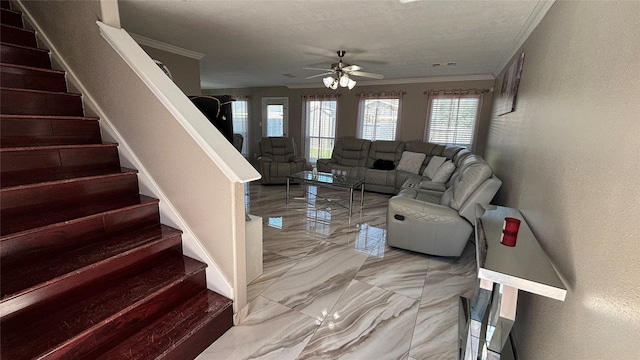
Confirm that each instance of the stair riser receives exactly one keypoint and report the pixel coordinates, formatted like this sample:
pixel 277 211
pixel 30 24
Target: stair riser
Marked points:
pixel 18 36
pixel 10 54
pixel 12 18
pixel 42 132
pixel 67 235
pixel 40 103
pixel 53 196
pixel 33 79
pixel 31 166
pixel 28 207
pixel 40 298
pixel 104 337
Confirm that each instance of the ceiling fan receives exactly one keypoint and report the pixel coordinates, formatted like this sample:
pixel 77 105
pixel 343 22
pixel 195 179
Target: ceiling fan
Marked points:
pixel 340 73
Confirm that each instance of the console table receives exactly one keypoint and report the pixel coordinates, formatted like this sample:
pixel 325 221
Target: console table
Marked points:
pixel 486 321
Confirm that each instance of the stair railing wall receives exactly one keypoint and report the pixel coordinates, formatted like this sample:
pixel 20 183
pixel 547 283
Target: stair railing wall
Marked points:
pixel 182 160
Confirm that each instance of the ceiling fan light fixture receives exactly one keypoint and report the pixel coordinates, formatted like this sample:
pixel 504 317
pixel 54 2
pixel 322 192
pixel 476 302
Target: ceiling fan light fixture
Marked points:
pixel 327 81
pixel 351 84
pixel 334 84
pixel 344 80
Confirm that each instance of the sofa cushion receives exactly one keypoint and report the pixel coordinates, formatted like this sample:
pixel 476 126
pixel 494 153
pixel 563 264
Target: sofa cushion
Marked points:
pixel 383 165
pixel 351 151
pixel 385 150
pixel 411 162
pixel 444 172
pixel 468 181
pixel 433 166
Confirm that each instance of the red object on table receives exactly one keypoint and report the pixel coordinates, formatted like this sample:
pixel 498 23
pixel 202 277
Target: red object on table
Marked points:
pixel 510 231
pixel 511 225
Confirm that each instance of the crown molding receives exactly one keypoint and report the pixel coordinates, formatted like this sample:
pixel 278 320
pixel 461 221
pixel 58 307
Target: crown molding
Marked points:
pixel 527 28
pixel 404 81
pixel 166 47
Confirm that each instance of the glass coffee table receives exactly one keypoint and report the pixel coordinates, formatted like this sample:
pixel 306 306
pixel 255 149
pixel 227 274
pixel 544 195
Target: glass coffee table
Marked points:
pixel 331 181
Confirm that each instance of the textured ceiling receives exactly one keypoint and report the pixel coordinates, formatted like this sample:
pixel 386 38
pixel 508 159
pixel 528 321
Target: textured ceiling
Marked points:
pixel 267 43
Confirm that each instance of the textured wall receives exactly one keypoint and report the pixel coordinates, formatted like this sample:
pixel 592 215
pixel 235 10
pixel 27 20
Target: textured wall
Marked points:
pixel 569 157
pixel 185 71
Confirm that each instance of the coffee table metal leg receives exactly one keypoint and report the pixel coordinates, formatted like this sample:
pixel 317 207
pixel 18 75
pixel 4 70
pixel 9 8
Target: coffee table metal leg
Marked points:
pixel 350 200
pixel 287 190
pixel 361 196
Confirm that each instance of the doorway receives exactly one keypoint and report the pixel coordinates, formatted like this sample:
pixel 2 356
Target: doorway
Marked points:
pixel 275 116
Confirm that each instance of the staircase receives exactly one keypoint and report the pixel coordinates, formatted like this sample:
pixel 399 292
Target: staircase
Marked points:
pixel 86 269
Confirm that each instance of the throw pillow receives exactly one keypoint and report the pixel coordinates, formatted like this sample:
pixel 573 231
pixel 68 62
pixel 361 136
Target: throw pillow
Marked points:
pixel 383 165
pixel 411 161
pixel 444 172
pixel 434 164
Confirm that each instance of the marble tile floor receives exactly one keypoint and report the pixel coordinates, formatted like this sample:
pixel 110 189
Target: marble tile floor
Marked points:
pixel 333 289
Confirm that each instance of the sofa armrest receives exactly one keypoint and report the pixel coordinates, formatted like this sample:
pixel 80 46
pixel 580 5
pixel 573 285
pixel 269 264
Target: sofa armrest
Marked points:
pixel 426 227
pixel 298 159
pixel 431 185
pixel 325 165
pixel 422 211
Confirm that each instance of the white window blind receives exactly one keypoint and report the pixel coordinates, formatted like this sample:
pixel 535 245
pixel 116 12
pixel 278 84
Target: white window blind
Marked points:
pixel 379 115
pixel 452 119
pixel 320 134
pixel 240 115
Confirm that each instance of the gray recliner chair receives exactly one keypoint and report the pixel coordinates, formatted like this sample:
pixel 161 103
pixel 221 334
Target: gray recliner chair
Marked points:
pixel 279 160
pixel 441 223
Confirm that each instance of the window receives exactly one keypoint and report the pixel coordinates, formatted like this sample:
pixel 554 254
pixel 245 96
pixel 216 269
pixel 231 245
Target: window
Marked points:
pixel 240 115
pixel 275 116
pixel 320 133
pixel 378 116
pixel 451 118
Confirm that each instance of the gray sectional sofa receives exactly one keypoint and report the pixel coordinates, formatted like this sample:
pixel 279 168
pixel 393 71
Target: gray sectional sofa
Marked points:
pixel 427 216
pixel 358 156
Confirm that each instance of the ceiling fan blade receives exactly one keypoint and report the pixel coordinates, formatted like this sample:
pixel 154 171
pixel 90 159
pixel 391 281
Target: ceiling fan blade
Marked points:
pixel 318 75
pixel 351 68
pixel 366 74
pixel 310 68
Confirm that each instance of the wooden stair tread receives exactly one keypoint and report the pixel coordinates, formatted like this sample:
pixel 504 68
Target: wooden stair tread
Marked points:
pixel 101 311
pixel 2 43
pixel 35 91
pixel 31 68
pixel 17 277
pixel 46 117
pixel 173 330
pixel 49 147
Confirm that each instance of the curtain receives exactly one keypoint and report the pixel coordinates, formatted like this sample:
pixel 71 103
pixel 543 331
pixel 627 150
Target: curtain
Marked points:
pixel 319 114
pixel 379 115
pixel 452 116
pixel 240 116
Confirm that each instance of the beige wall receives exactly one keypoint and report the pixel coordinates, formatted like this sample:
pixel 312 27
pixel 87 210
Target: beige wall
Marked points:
pixel 413 116
pixel 185 71
pixel 569 158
